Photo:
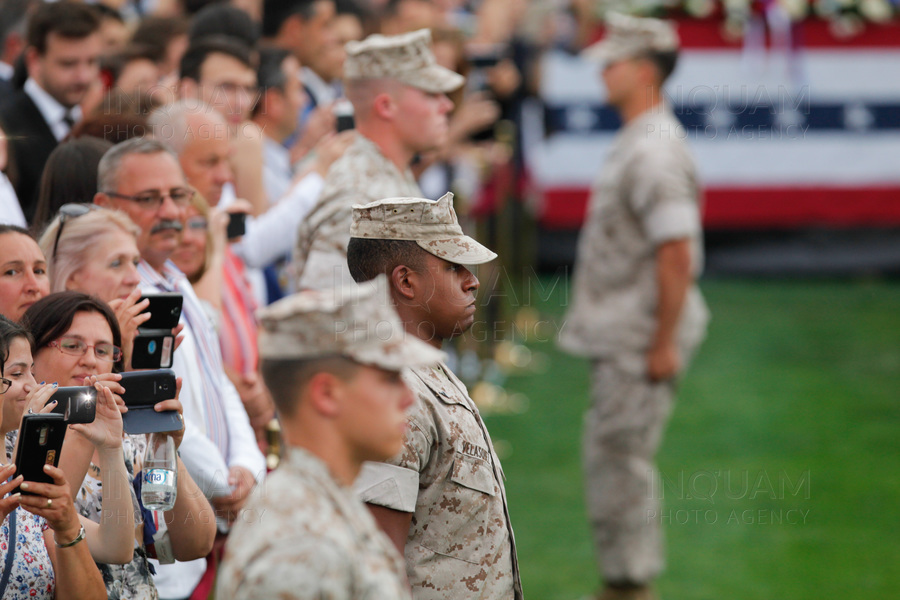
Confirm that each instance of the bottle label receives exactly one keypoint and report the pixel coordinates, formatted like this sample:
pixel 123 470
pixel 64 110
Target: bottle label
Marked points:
pixel 159 477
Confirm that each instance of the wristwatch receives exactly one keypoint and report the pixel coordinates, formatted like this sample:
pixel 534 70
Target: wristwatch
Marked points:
pixel 77 539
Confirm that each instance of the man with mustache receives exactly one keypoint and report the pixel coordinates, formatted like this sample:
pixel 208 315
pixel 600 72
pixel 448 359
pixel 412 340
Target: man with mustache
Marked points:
pixel 62 61
pixel 142 177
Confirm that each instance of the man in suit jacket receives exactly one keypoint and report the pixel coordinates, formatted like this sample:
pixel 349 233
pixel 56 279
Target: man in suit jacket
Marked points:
pixel 61 58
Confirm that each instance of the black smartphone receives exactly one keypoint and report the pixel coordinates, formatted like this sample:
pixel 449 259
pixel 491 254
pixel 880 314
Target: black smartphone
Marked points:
pixel 40 442
pixel 143 390
pixel 153 349
pixel 345 122
pixel 147 387
pixel 77 404
pixel 237 225
pixel 164 309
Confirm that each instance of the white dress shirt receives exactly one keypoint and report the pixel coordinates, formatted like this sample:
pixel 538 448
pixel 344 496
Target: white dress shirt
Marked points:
pixel 53 112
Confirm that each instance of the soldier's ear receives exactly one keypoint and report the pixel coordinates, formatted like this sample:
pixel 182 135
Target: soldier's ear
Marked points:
pixel 402 282
pixel 325 391
pixel 384 107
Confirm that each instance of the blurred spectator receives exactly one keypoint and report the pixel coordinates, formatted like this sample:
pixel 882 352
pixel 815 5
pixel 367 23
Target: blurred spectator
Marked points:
pixel 280 101
pixel 200 137
pixel 221 71
pixel 10 209
pixel 70 176
pixel 114 32
pixel 113 127
pixel 12 41
pixel 403 16
pixel 305 28
pixel 222 19
pixel 133 70
pixel 168 36
pixel 63 49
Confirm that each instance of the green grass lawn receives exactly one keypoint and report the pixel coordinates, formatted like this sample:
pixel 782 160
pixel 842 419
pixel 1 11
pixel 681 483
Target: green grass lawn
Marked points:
pixel 780 467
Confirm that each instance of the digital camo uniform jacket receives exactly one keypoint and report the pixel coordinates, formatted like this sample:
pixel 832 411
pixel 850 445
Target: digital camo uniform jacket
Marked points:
pixel 461 543
pixel 646 194
pixel 361 175
pixel 302 536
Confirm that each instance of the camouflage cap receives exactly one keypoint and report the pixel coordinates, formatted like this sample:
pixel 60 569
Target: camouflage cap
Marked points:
pixel 628 37
pixel 358 322
pixel 408 58
pixel 432 224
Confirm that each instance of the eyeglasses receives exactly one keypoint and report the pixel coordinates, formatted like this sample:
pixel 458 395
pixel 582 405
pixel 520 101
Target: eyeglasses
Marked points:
pixel 67 212
pixel 197 223
pixel 153 200
pixel 4 384
pixel 76 347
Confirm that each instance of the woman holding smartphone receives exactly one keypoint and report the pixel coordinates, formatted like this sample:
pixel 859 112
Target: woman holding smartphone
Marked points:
pixel 77 337
pixel 42 533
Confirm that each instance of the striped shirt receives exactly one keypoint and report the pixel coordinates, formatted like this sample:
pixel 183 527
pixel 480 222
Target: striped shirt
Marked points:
pixel 199 356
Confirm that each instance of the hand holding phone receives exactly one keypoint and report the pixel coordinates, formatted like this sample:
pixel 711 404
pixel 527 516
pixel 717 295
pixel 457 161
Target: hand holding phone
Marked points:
pixel 143 391
pixel 40 443
pixel 77 404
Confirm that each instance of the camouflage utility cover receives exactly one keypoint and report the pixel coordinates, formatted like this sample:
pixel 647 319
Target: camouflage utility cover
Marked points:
pixel 430 223
pixel 355 321
pixel 304 537
pixel 630 37
pixel 408 58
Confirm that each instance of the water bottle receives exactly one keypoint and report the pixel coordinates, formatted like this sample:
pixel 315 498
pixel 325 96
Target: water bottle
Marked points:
pixel 160 472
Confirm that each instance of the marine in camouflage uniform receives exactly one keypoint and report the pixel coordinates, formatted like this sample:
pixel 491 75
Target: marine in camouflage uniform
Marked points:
pixel 460 542
pixel 377 164
pixel 305 535
pixel 639 327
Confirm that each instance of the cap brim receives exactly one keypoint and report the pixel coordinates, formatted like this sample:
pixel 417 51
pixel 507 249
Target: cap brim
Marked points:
pixel 434 79
pixel 406 351
pixel 461 250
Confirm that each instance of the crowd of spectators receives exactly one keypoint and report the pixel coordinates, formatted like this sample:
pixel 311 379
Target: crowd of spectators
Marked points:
pixel 132 132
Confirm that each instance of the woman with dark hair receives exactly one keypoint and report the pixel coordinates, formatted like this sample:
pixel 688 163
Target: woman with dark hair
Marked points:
pixel 23 272
pixel 70 175
pixel 41 532
pixel 77 338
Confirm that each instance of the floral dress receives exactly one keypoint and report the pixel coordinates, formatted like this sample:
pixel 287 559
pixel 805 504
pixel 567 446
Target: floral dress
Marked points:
pixel 132 581
pixel 32 573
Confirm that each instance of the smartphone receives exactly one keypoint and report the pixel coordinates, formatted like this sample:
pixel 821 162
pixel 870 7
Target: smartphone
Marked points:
pixel 147 387
pixel 343 112
pixel 164 309
pixel 344 122
pixel 152 349
pixel 77 404
pixel 143 390
pixel 40 442
pixel 237 225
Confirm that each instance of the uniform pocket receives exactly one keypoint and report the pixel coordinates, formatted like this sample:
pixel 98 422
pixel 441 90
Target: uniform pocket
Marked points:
pixel 473 473
pixel 459 520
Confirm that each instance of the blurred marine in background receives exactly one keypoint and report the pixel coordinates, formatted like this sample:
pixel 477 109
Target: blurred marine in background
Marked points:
pixel 636 312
